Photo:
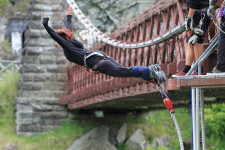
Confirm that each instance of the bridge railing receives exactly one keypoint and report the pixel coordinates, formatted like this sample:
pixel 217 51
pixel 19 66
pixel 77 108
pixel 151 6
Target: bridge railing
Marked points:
pixel 152 24
pixel 7 66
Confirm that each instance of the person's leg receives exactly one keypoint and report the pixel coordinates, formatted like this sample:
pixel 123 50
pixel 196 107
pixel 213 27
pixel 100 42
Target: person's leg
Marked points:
pixel 198 50
pixel 189 59
pixel 189 55
pixel 109 68
pixel 114 61
pixel 147 73
pixel 221 48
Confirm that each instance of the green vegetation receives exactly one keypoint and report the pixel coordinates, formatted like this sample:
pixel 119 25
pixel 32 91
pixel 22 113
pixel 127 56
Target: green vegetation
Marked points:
pixel 154 124
pixel 59 138
pixel 18 9
pixel 160 124
pixel 215 126
pixel 215 120
pixel 2 2
pixel 5 48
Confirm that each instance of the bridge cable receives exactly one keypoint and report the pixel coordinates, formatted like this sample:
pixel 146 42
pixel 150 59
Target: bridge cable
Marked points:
pixel 113 42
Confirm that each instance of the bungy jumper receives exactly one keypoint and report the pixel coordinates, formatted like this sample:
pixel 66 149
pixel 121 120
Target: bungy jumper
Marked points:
pixel 136 70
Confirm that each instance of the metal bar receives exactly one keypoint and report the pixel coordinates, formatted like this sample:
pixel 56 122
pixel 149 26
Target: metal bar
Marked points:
pixel 197 121
pixel 9 61
pixel 193 117
pixel 199 69
pixel 207 54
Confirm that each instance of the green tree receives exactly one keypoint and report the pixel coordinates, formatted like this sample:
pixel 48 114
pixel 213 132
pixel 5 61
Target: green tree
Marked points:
pixel 2 2
pixel 215 120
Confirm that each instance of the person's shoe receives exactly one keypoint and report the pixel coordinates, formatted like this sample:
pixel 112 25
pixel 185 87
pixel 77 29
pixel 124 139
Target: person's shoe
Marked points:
pixel 180 74
pixel 194 74
pixel 157 74
pixel 155 67
pixel 215 72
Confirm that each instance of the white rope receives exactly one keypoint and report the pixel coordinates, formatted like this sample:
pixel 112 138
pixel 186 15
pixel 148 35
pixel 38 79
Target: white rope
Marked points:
pixel 178 131
pixel 218 27
pixel 215 16
pixel 102 37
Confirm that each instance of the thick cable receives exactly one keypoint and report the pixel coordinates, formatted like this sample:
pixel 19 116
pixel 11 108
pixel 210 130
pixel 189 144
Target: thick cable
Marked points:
pixel 202 119
pixel 178 131
pixel 102 37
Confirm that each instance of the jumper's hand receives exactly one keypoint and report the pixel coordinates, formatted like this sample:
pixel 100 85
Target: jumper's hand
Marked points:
pixel 188 23
pixel 70 11
pixel 46 16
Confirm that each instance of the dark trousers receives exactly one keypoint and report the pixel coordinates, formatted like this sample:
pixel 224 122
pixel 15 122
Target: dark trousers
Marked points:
pixel 221 48
pixel 110 67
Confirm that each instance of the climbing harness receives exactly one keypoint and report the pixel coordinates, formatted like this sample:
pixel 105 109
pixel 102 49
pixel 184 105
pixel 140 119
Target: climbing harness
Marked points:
pixel 167 102
pixel 202 24
pixel 94 68
pixel 199 30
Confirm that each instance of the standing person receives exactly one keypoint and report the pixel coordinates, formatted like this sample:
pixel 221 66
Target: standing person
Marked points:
pixel 97 60
pixel 220 66
pixel 196 23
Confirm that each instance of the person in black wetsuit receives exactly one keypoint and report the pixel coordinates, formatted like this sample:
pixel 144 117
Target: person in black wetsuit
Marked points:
pixel 75 52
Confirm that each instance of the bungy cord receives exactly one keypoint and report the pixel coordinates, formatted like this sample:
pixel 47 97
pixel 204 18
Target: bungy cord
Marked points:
pixel 169 106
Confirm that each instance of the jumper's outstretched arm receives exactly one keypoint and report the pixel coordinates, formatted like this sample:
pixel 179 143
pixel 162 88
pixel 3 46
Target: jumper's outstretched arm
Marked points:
pixel 69 14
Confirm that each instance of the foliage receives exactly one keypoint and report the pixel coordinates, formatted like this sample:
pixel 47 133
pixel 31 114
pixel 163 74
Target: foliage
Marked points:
pixel 214 143
pixel 5 47
pixel 8 92
pixel 59 138
pixel 20 8
pixel 215 120
pixel 122 147
pixel 2 2
pixel 158 148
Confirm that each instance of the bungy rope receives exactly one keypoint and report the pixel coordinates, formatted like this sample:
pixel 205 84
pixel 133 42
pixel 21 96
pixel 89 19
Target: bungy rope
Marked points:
pixel 167 102
pixel 102 37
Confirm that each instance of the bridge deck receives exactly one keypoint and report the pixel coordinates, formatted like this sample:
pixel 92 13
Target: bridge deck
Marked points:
pixel 178 89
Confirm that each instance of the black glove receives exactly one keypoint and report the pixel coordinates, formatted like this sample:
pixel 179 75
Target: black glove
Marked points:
pixel 188 23
pixel 193 40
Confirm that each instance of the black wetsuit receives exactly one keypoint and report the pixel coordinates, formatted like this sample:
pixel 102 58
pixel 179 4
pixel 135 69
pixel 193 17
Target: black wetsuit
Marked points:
pixel 75 52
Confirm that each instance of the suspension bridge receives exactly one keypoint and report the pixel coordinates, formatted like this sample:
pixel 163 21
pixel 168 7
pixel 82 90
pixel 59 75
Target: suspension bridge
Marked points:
pixel 155 36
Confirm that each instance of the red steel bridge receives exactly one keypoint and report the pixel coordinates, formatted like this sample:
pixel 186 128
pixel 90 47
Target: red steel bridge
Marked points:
pixel 98 91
